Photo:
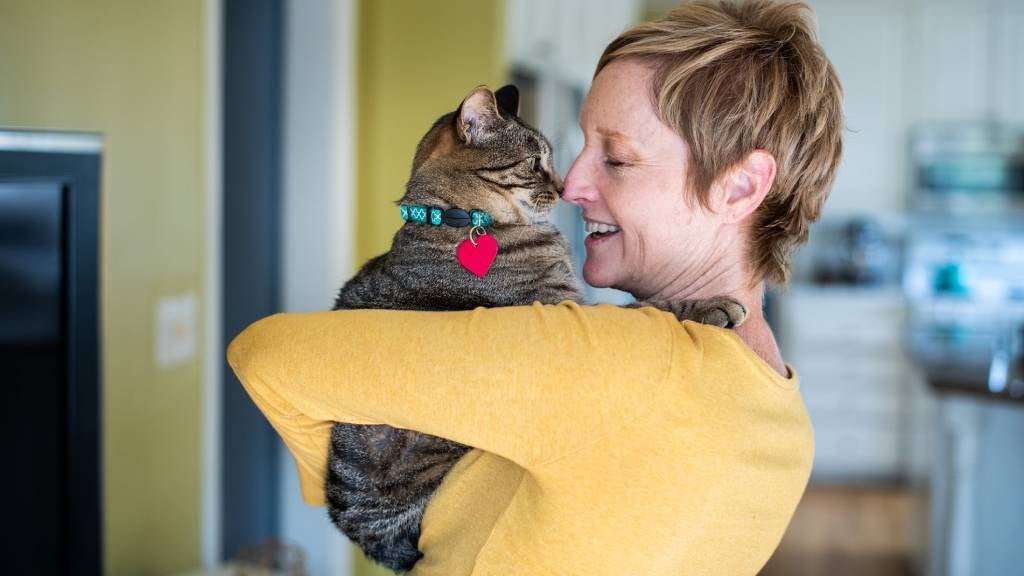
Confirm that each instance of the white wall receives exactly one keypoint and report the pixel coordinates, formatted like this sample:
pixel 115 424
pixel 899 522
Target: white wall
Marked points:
pixel 565 37
pixel 319 157
pixel 318 224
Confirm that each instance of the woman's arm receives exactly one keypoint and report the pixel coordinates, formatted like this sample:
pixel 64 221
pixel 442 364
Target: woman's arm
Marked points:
pixel 529 383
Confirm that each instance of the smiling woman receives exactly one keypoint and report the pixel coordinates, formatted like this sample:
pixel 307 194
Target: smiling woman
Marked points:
pixel 607 440
pixel 631 180
pixel 712 140
pixel 649 237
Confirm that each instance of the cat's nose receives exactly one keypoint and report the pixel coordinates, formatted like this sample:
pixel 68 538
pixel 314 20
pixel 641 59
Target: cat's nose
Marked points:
pixel 557 181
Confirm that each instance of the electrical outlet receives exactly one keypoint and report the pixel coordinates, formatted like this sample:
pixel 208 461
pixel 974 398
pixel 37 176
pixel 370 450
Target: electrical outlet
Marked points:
pixel 175 330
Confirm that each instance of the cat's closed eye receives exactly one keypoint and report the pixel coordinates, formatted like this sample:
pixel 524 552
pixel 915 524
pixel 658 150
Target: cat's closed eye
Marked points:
pixel 534 162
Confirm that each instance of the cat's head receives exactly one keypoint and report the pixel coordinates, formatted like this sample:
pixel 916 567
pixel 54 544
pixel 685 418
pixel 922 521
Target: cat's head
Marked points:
pixel 483 156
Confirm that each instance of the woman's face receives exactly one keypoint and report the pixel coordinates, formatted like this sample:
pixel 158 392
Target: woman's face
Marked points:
pixel 631 176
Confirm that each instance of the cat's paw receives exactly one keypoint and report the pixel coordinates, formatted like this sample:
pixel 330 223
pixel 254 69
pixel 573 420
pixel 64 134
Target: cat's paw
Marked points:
pixel 721 311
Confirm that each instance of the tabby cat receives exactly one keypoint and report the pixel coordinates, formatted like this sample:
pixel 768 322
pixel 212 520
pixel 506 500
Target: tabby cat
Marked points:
pixel 483 157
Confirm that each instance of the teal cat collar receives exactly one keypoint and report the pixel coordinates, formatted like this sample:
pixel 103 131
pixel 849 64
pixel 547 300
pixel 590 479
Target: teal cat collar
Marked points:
pixel 454 217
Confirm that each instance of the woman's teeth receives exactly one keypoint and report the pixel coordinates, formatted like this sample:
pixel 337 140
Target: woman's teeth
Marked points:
pixel 600 228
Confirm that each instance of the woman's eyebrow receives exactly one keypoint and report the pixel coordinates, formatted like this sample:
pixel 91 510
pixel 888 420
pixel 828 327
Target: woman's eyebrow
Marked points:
pixel 608 133
pixel 622 143
pixel 614 135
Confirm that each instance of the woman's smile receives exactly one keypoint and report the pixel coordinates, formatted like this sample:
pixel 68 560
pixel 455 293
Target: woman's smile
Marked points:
pixel 599 231
pixel 595 238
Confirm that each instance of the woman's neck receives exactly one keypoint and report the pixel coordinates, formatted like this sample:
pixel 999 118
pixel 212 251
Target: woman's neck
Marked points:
pixel 757 334
pixel 755 331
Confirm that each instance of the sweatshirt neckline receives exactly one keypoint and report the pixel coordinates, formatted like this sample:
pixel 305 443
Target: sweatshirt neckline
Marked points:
pixel 790 383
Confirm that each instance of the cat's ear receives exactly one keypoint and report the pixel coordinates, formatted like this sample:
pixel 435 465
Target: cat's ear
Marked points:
pixel 477 114
pixel 508 99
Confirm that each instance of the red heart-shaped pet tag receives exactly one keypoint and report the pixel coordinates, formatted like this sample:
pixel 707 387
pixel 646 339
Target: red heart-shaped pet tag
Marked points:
pixel 478 259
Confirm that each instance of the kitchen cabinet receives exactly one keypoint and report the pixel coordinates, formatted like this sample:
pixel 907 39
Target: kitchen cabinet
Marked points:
pixel 951 60
pixel 909 62
pixel 867 51
pixel 977 512
pixel 1008 81
pixel 966 60
pixel 857 381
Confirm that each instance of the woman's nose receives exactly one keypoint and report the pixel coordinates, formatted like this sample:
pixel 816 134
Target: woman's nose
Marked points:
pixel 577 188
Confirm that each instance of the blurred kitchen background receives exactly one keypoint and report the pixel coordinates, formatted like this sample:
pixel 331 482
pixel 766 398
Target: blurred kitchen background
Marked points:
pixel 172 170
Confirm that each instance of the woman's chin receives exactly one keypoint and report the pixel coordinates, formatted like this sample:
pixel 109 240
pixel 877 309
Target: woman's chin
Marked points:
pixel 596 275
pixel 604 257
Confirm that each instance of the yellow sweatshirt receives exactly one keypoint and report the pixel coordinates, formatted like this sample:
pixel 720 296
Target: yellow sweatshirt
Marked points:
pixel 608 441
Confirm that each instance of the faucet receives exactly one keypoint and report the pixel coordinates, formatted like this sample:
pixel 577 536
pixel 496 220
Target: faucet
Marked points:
pixel 1006 371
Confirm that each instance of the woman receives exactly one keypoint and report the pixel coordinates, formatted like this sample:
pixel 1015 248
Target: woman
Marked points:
pixel 609 440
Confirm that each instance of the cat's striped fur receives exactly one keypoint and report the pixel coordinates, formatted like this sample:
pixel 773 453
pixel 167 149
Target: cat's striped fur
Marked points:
pixel 482 156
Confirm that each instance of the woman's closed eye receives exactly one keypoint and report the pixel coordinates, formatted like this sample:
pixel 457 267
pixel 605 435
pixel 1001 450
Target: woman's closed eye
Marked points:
pixel 614 163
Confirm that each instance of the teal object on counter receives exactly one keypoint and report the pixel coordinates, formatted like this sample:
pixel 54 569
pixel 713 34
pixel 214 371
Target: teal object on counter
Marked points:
pixel 949 279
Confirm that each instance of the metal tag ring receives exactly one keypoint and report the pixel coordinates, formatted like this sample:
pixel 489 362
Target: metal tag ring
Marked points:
pixel 480 230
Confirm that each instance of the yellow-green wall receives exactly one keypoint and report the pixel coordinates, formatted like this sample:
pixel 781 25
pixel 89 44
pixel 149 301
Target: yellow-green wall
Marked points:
pixel 416 61
pixel 132 70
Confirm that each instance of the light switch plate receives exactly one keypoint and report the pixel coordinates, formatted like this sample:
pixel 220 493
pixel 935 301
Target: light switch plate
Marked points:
pixel 175 330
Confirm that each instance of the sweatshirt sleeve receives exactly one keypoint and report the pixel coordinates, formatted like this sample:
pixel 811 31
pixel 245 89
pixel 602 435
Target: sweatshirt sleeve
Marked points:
pixel 529 383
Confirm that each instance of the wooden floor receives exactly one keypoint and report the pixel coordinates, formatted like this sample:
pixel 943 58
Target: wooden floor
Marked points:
pixel 839 531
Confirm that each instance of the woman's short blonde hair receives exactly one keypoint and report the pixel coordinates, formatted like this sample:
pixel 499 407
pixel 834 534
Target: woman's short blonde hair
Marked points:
pixel 732 77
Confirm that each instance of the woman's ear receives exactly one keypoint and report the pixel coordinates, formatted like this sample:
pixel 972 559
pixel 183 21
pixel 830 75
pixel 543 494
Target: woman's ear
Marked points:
pixel 745 186
pixel 477 114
